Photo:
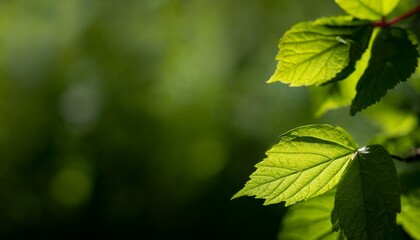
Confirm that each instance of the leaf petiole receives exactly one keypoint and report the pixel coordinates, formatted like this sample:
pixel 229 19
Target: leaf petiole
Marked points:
pixel 384 23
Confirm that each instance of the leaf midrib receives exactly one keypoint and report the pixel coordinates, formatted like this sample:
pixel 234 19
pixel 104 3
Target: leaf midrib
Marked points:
pixel 370 8
pixel 296 172
pixel 311 58
pixel 326 141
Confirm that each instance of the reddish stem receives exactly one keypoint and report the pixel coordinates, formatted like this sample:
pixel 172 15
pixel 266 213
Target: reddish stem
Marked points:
pixel 384 23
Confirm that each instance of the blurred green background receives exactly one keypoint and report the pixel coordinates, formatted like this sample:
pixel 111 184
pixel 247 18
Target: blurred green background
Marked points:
pixel 142 118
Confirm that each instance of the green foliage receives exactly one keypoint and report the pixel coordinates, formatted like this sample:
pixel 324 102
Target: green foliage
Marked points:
pixel 310 220
pixel 409 217
pixel 368 9
pixel 328 49
pixel 386 68
pixel 368 196
pixel 307 162
pixel 313 53
pixel 393 117
pixel 340 93
pixel 349 61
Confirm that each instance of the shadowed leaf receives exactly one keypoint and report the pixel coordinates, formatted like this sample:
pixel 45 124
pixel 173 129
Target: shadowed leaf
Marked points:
pixel 368 195
pixel 393 60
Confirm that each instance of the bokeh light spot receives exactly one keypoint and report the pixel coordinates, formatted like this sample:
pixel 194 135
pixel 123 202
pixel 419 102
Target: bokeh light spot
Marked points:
pixel 72 186
pixel 207 158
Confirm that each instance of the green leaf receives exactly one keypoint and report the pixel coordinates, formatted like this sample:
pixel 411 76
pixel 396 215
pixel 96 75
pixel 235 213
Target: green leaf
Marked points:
pixel 341 93
pixel 309 220
pixel 334 220
pixel 340 21
pixel 368 9
pixel 314 53
pixel 409 217
pixel 368 195
pixel 393 60
pixel 307 162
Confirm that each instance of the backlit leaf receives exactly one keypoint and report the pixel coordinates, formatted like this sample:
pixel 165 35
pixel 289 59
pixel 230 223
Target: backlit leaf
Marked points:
pixel 314 53
pixel 368 9
pixel 307 162
pixel 309 220
pixel 368 195
pixel 393 60
pixel 341 93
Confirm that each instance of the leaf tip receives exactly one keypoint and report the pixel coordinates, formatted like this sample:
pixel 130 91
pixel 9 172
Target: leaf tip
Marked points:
pixel 272 79
pixel 237 195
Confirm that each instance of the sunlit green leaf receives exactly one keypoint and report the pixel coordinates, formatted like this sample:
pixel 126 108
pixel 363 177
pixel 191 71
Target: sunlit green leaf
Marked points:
pixel 393 60
pixel 307 162
pixel 341 93
pixel 309 220
pixel 313 53
pixel 409 217
pixel 339 21
pixel 368 9
pixel 368 195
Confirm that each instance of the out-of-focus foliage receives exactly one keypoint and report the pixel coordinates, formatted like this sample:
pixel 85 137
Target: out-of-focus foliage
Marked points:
pixel 410 213
pixel 141 117
pixel 310 220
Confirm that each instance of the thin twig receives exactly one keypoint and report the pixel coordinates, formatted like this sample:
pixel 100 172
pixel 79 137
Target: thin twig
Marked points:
pixel 384 23
pixel 413 157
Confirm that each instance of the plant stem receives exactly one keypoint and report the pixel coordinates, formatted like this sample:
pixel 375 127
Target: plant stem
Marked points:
pixel 397 158
pixel 384 23
pixel 413 157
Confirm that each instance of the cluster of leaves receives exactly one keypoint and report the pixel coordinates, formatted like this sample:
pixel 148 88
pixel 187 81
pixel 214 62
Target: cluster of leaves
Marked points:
pixel 326 51
pixel 314 160
pixel 348 191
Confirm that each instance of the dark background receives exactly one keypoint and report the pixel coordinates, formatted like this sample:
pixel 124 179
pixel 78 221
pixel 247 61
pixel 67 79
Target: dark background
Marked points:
pixel 140 119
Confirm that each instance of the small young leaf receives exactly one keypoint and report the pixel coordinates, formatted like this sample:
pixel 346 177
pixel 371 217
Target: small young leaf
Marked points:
pixel 409 217
pixel 368 195
pixel 307 162
pixel 309 220
pixel 393 60
pixel 314 53
pixel 368 9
